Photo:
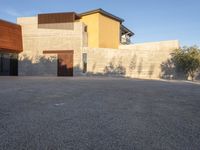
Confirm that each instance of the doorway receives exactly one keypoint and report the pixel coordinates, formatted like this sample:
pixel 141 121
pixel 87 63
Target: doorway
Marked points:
pixel 8 64
pixel 65 64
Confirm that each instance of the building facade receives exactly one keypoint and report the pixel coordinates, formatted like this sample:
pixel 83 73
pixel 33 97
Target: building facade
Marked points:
pixel 90 43
pixel 56 40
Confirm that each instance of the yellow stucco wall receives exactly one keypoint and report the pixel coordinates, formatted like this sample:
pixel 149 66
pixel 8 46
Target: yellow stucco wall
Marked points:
pixel 103 32
pixel 109 31
pixel 92 22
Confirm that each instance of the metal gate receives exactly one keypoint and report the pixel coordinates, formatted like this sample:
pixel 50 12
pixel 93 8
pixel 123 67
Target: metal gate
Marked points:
pixel 8 64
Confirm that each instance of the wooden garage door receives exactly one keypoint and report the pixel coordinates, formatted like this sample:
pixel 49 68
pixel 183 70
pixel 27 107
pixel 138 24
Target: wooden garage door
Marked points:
pixel 65 64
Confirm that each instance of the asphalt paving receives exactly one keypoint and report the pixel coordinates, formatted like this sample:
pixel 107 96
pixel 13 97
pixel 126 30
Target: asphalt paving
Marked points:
pixel 98 113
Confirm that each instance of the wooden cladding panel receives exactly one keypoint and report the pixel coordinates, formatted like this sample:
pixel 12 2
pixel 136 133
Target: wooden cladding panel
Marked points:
pixel 65 64
pixel 56 18
pixel 10 37
pixel 57 51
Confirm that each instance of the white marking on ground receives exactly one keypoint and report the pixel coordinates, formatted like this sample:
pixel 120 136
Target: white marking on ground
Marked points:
pixel 59 104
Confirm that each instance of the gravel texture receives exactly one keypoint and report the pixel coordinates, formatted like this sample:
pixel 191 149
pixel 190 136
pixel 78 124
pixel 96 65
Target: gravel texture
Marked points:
pixel 91 113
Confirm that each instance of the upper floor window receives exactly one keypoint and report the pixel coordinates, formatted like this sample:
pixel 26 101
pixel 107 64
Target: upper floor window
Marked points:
pixel 85 28
pixel 84 59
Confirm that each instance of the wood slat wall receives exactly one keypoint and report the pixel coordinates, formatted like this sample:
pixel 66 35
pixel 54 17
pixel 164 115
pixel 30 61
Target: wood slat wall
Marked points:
pixel 56 18
pixel 10 37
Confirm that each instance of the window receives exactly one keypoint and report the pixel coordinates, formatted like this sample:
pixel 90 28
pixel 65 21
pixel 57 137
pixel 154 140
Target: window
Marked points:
pixel 85 28
pixel 84 59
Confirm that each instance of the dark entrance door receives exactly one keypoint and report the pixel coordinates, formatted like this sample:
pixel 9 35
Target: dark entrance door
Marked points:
pixel 65 64
pixel 8 64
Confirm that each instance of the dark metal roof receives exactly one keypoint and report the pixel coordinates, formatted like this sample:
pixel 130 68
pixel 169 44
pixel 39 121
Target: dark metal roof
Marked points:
pixel 125 30
pixel 103 12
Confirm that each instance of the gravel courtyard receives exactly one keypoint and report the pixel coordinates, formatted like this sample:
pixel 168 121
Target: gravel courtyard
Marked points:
pixel 80 113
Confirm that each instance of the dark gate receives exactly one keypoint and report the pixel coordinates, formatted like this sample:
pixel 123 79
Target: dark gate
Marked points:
pixel 8 64
pixel 65 64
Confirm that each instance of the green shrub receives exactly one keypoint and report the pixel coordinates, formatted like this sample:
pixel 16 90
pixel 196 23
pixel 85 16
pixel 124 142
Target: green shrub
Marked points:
pixel 188 60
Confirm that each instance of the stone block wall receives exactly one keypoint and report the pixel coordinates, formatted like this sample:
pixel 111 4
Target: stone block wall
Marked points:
pixel 138 61
pixel 36 40
pixel 41 66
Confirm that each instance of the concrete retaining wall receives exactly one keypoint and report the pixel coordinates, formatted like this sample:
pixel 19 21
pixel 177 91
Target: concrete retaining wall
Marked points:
pixel 137 61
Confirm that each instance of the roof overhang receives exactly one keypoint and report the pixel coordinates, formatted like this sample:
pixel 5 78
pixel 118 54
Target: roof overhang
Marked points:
pixel 103 12
pixel 125 30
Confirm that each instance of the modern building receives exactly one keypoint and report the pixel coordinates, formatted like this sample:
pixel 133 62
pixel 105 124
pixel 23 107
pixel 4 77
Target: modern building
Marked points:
pixel 93 42
pixel 62 36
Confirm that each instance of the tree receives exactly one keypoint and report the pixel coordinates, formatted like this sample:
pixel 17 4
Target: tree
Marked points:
pixel 188 60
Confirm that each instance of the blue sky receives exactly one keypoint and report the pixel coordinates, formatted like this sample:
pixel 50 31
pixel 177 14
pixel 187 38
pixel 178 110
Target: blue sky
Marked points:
pixel 151 20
